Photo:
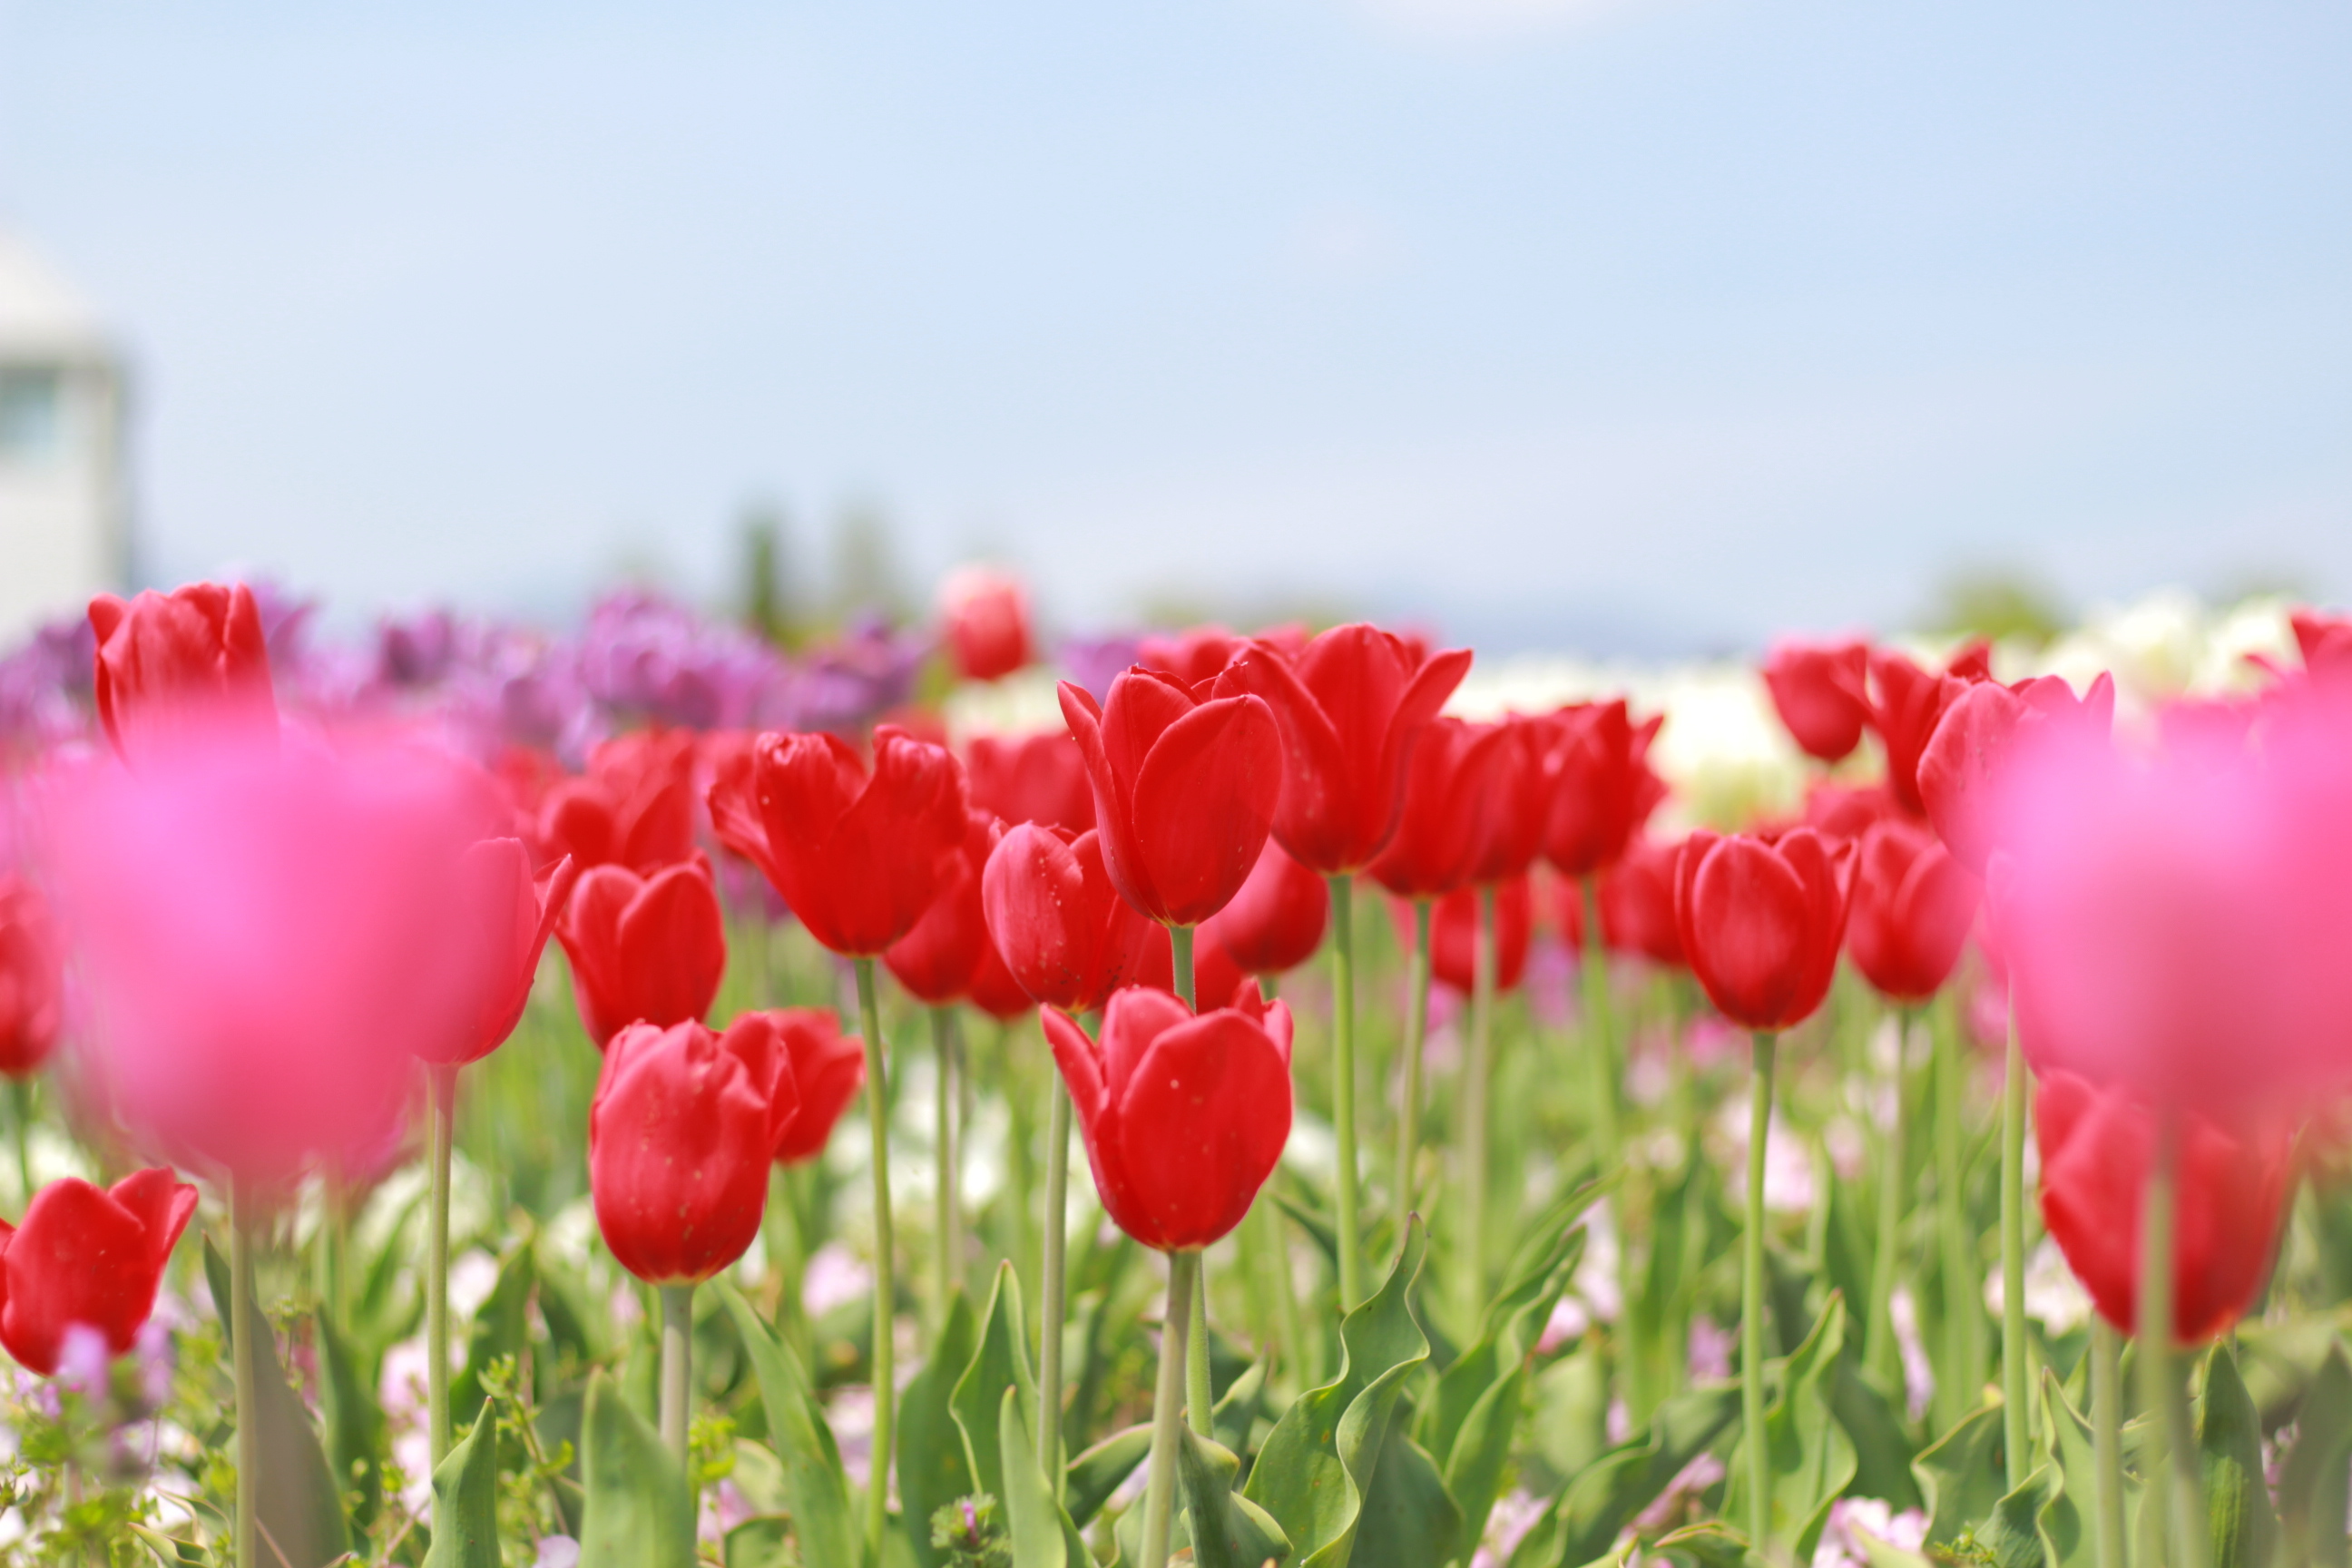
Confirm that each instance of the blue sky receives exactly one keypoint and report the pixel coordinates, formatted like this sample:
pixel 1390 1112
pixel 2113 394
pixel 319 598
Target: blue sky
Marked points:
pixel 1640 323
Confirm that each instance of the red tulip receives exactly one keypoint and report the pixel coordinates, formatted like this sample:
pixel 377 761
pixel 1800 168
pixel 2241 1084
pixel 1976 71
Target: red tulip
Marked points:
pixel 985 617
pixel 680 1138
pixel 1819 689
pixel 935 960
pixel 1603 789
pixel 1276 923
pixel 1202 652
pixel 644 950
pixel 2097 1149
pixel 1906 701
pixel 88 1256
pixel 32 978
pixel 1637 902
pixel 1351 705
pixel 1442 834
pixel 1184 1116
pixel 503 929
pixel 1057 921
pixel 1975 738
pixel 1037 778
pixel 1454 935
pixel 1843 811
pixel 1217 979
pixel 994 991
pixel 634 807
pixel 827 1070
pixel 161 656
pixel 2325 643
pixel 1523 770
pixel 1760 920
pixel 1913 905
pixel 1185 785
pixel 859 856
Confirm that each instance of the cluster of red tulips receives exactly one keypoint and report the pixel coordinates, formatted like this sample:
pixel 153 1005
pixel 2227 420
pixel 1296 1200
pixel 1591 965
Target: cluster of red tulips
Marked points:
pixel 273 925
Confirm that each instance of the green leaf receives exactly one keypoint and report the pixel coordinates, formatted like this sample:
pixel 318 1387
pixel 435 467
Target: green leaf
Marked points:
pixel 1042 1534
pixel 1512 1322
pixel 1235 1411
pixel 2070 1519
pixel 466 1502
pixel 640 1513
pixel 1097 1473
pixel 2230 1440
pixel 2315 1480
pixel 1710 1544
pixel 816 1493
pixel 1410 1520
pixel 1482 1450
pixel 2013 1532
pixel 1621 1483
pixel 1226 1529
pixel 1810 1458
pixel 999 1360
pixel 1962 1477
pixel 1320 1228
pixel 354 1421
pixel 1310 1477
pixel 1882 1449
pixel 501 1327
pixel 297 1500
pixel 932 1469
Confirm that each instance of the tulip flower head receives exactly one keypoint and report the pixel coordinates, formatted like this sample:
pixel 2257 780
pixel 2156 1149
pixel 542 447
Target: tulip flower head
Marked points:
pixel 859 855
pixel 1637 902
pixel 994 991
pixel 1200 653
pixel 1454 935
pixel 193 656
pixel 88 1256
pixel 1602 787
pixel 1760 920
pixel 1061 927
pixel 1980 729
pixel 1277 921
pixel 1441 836
pixel 936 961
pixel 2326 644
pixel 1185 784
pixel 2097 1149
pixel 680 1136
pixel 265 935
pixel 1351 705
pixel 827 1070
pixel 1913 905
pixel 32 978
pixel 1184 1116
pixel 644 950
pixel 1820 690
pixel 985 621
pixel 1217 979
pixel 1906 701
pixel 1036 778
pixel 1523 775
pixel 507 917
pixel 634 807
pixel 2177 922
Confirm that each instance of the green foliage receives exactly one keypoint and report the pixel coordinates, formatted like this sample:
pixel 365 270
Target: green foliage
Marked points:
pixel 466 1504
pixel 638 1513
pixel 815 1490
pixel 966 1533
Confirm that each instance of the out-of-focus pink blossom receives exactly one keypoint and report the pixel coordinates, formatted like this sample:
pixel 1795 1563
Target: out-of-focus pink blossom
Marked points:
pixel 2177 922
pixel 985 621
pixel 267 933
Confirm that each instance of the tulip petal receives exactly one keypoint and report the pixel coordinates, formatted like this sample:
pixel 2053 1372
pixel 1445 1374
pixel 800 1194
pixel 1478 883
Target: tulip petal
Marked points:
pixel 1080 1063
pixel 1201 1126
pixel 1203 802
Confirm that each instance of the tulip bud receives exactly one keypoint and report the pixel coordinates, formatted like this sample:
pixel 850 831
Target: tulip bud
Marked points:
pixel 827 1070
pixel 1820 692
pixel 90 1258
pixel 1760 920
pixel 1913 905
pixel 1602 787
pixel 1063 933
pixel 165 659
pixel 644 950
pixel 32 979
pixel 984 617
pixel 1277 921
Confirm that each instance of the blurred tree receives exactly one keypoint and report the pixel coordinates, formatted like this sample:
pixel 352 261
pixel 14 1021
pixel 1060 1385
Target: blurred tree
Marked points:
pixel 866 571
pixel 769 601
pixel 2003 604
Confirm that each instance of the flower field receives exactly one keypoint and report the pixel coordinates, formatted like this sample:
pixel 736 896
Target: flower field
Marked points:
pixel 926 1098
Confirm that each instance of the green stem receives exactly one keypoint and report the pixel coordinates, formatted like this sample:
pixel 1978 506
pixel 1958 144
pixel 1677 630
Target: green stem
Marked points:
pixel 20 1091
pixel 1416 1032
pixel 1474 1113
pixel 1880 1353
pixel 1343 1084
pixel 1167 1408
pixel 677 1368
pixel 2016 1350
pixel 1055 1294
pixel 2108 1439
pixel 946 1243
pixel 1600 1046
pixel 442 1088
pixel 2163 1389
pixel 1960 1376
pixel 1751 1301
pixel 788 1261
pixel 1305 1349
pixel 243 1315
pixel 877 1116
pixel 1179 959
pixel 1199 1399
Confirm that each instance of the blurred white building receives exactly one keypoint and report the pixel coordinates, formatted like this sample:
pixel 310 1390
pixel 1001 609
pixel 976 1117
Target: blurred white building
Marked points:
pixel 64 529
